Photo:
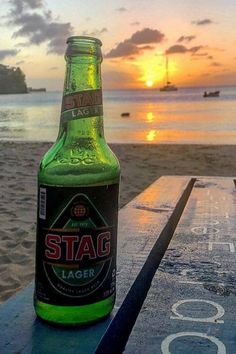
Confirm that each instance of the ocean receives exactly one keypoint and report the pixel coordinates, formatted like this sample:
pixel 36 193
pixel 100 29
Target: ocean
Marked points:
pixel 181 117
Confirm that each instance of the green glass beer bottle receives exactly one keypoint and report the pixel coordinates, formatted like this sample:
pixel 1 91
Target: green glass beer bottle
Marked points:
pixel 78 183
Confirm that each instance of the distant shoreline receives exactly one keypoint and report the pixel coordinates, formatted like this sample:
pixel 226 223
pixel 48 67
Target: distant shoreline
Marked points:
pixel 25 92
pixel 148 89
pixel 40 89
pixel 13 93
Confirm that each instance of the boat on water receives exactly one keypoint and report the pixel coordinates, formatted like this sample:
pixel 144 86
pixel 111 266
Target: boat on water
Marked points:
pixel 168 85
pixel 211 94
pixel 41 89
pixel 125 114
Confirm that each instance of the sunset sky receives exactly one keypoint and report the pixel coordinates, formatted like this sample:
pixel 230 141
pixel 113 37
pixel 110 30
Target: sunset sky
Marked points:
pixel 198 36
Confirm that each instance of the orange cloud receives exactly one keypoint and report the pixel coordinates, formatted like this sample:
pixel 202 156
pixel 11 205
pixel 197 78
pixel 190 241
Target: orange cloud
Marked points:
pixel 130 46
pixel 206 21
pixel 186 39
pixel 181 49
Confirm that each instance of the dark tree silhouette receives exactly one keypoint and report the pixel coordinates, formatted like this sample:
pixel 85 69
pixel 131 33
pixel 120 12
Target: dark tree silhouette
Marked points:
pixel 12 80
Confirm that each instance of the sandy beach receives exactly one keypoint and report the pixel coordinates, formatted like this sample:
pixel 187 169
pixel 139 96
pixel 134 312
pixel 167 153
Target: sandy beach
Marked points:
pixel 141 164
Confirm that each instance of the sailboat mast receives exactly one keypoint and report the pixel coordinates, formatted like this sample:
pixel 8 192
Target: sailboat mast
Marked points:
pixel 167 73
pixel 168 86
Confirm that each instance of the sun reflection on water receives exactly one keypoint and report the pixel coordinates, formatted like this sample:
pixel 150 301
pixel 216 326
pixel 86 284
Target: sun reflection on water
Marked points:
pixel 151 135
pixel 150 117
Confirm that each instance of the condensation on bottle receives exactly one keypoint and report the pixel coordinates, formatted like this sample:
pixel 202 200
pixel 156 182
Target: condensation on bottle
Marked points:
pixel 78 188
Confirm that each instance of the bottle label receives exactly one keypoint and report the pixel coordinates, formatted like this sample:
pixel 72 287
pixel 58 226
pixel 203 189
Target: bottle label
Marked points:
pixel 76 244
pixel 82 104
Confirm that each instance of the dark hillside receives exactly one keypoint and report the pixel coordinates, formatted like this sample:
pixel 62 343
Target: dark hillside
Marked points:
pixel 12 80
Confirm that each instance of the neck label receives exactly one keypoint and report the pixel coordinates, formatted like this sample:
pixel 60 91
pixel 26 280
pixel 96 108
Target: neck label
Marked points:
pixel 82 104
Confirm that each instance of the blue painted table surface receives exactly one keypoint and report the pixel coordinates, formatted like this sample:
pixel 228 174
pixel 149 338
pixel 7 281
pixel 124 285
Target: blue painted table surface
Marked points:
pixel 161 302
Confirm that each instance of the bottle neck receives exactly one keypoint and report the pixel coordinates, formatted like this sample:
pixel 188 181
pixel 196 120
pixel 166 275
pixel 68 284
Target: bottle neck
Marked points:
pixel 82 108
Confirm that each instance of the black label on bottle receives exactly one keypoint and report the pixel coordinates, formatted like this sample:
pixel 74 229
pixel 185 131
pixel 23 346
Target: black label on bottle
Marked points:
pixel 76 244
pixel 82 104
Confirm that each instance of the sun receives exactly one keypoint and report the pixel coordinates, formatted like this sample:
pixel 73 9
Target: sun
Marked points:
pixel 149 83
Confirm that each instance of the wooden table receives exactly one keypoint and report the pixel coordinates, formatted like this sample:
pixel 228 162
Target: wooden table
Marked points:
pixel 179 300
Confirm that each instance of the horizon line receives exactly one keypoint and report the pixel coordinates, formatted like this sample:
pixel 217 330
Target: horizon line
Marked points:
pixel 153 88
